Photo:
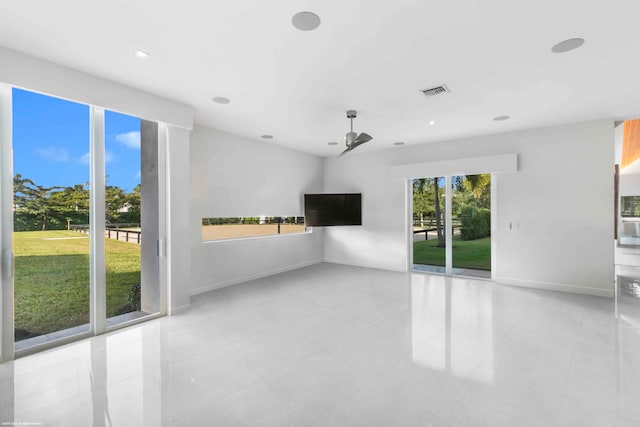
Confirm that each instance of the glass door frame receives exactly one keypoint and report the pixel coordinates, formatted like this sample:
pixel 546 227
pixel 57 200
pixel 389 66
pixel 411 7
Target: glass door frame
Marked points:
pixel 448 220
pixel 97 280
pixel 7 351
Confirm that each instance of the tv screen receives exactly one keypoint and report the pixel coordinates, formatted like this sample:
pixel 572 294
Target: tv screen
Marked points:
pixel 322 210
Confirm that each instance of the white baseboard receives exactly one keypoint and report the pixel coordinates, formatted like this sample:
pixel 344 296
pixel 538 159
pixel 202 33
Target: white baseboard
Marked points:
pixel 178 310
pixel 243 279
pixel 364 265
pixel 560 287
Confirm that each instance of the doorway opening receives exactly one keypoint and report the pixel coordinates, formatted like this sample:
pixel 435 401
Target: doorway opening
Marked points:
pixel 451 231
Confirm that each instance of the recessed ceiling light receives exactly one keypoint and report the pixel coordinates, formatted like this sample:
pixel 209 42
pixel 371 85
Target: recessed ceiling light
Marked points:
pixel 501 118
pixel 305 21
pixel 398 143
pixel 432 122
pixel 333 143
pixel 567 45
pixel 267 136
pixel 221 100
pixel 142 54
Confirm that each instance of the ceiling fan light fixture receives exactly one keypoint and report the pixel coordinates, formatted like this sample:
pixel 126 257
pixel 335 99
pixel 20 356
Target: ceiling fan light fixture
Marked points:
pixel 141 53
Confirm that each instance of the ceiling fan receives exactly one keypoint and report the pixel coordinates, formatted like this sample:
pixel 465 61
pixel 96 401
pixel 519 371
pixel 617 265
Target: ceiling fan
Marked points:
pixel 352 139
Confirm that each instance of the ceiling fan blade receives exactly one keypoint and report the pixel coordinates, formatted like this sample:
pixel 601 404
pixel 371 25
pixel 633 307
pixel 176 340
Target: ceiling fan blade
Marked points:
pixel 345 151
pixel 360 141
pixel 362 138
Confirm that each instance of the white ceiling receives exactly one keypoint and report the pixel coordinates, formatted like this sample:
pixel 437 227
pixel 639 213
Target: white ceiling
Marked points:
pixel 372 56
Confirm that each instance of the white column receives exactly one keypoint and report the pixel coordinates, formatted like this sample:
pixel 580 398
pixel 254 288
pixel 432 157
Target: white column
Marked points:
pixel 6 225
pixel 178 249
pixel 149 218
pixel 98 300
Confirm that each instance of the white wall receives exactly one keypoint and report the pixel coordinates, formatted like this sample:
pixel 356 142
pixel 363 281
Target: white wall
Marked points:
pixel 561 201
pixel 233 176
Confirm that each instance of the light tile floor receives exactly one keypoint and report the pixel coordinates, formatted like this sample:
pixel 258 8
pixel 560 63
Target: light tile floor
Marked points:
pixel 333 345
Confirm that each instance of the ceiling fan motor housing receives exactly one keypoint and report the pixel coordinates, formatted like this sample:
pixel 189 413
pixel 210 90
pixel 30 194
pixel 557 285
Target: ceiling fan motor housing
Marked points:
pixel 350 137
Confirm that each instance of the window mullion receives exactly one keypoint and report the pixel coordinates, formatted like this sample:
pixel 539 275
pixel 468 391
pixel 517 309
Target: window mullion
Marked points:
pixel 97 222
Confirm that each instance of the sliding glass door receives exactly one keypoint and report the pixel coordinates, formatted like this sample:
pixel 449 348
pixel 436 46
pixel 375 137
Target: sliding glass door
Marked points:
pixel 429 231
pixel 131 217
pixel 50 197
pixel 85 186
pixel 452 225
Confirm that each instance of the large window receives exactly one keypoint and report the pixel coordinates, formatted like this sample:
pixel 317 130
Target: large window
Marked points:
pixel 243 227
pixel 51 196
pixel 85 184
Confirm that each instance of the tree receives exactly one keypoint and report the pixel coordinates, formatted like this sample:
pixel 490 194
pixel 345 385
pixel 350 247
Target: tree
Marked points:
pixel 35 201
pixel 74 203
pixel 426 201
pixel 422 202
pixel 133 204
pixel 115 203
pixel 479 186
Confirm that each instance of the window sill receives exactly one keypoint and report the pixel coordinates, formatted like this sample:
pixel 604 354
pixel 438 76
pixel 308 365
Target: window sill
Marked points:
pixel 269 236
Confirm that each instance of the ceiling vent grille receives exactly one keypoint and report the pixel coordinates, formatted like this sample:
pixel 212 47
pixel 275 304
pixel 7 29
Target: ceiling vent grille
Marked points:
pixel 433 91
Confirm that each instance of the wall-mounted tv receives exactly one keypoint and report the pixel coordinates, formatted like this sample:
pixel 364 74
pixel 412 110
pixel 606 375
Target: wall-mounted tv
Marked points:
pixel 322 210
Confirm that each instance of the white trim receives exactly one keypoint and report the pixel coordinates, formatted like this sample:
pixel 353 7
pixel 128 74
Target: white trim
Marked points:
pixel 559 287
pixel 494 223
pixel 448 223
pixel 132 322
pixel 53 344
pixel 266 236
pixel 364 265
pixel 7 347
pixel 42 76
pixel 219 285
pixel 181 309
pixel 472 166
pixel 163 219
pixel 408 216
pixel 97 287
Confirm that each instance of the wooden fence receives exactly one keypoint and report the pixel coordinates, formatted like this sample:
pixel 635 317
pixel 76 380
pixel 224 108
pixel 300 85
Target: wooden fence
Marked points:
pixel 113 232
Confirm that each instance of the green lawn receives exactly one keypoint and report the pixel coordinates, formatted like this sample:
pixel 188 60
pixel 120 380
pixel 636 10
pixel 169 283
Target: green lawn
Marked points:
pixel 474 254
pixel 52 280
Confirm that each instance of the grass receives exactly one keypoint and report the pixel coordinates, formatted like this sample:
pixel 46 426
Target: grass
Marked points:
pixel 52 280
pixel 474 254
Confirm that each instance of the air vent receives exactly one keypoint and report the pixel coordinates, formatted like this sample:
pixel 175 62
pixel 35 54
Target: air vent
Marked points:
pixel 433 91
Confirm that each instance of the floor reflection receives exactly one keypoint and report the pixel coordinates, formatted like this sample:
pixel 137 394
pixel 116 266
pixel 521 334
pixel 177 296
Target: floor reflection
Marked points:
pixel 339 345
pixel 454 316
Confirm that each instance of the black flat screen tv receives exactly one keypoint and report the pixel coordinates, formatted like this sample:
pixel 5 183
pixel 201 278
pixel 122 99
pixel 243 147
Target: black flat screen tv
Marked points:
pixel 323 210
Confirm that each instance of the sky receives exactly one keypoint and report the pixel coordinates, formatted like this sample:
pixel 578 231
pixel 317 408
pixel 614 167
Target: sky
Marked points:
pixel 51 142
